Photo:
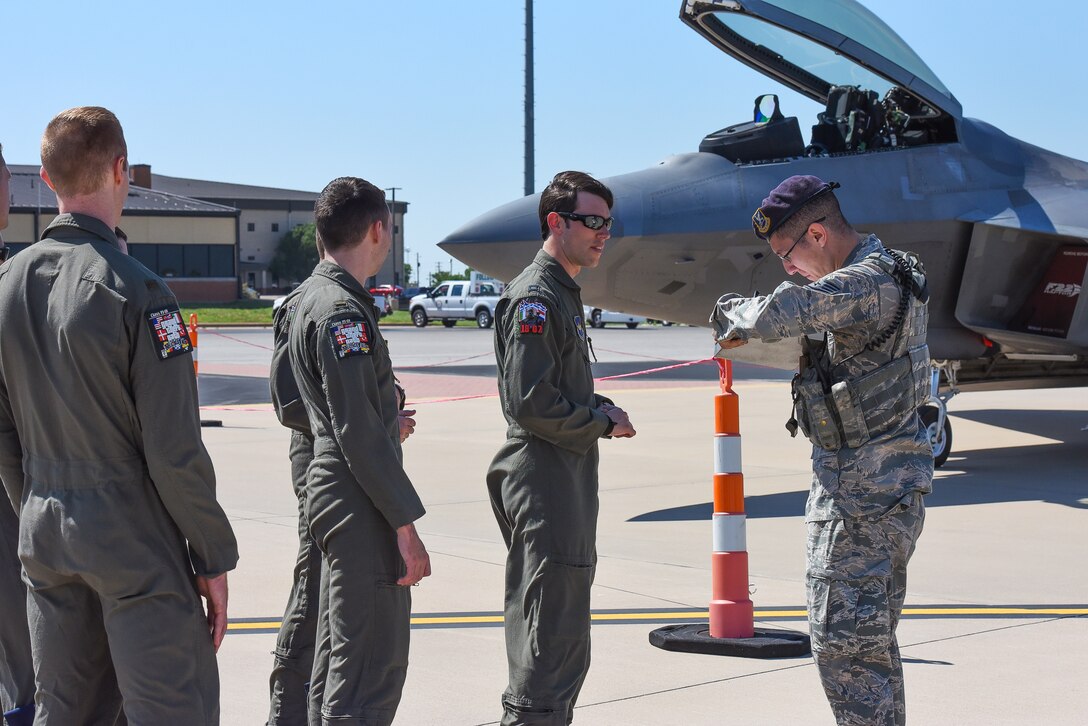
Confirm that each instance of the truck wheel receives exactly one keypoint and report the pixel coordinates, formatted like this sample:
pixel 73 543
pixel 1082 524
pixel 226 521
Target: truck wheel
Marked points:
pixel 483 318
pixel 595 319
pixel 632 326
pixel 419 318
pixel 941 441
pixel 449 322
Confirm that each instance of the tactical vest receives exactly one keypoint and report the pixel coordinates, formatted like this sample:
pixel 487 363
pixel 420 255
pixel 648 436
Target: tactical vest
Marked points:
pixel 835 411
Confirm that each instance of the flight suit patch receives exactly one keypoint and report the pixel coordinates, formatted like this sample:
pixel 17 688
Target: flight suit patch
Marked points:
pixel 531 317
pixel 580 326
pixel 169 333
pixel 350 336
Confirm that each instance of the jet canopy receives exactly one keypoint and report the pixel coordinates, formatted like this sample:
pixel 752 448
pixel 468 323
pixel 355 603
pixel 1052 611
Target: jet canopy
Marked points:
pixel 813 47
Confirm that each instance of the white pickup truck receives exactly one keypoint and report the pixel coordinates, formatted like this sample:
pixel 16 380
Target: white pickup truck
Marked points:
pixel 455 300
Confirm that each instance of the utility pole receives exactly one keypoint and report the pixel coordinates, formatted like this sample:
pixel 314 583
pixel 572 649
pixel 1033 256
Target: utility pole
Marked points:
pixel 397 259
pixel 529 161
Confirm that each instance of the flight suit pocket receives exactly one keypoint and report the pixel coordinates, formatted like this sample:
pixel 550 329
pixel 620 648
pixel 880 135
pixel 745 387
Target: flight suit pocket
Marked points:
pixel 564 599
pixel 849 617
pixel 392 615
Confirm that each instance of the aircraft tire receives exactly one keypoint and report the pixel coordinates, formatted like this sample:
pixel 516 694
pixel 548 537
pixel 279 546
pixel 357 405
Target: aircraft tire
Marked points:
pixel 419 318
pixel 942 441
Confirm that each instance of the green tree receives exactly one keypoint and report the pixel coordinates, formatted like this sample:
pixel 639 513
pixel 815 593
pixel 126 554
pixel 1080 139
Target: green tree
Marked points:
pixel 296 254
pixel 407 279
pixel 440 276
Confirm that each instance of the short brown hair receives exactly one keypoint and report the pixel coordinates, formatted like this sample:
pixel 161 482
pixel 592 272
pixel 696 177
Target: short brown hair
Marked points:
pixel 345 210
pixel 79 146
pixel 562 195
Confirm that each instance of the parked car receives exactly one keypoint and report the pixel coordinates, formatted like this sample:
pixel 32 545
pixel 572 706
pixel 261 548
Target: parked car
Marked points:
pixel 598 318
pixel 387 290
pixel 410 292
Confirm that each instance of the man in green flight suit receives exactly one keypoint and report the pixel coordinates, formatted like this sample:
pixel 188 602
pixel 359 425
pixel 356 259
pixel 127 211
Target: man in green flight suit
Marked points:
pixel 100 451
pixel 856 398
pixel 16 665
pixel 293 673
pixel 360 503
pixel 543 481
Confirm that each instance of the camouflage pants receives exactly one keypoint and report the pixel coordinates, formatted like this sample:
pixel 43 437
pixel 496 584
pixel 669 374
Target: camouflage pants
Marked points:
pixel 857 582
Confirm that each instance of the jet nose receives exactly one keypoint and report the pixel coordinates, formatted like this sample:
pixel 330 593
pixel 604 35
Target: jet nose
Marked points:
pixel 501 242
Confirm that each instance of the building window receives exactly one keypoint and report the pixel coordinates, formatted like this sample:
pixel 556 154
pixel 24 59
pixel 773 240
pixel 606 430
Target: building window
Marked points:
pixel 196 261
pixel 171 260
pixel 275 227
pixel 221 260
pixel 251 226
pixel 186 260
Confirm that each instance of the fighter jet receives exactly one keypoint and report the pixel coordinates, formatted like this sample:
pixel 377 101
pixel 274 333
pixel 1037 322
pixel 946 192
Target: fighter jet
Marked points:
pixel 1001 225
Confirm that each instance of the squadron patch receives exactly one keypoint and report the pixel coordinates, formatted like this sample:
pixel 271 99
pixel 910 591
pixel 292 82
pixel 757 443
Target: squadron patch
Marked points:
pixel 350 336
pixel 169 333
pixel 580 326
pixel 761 221
pixel 531 317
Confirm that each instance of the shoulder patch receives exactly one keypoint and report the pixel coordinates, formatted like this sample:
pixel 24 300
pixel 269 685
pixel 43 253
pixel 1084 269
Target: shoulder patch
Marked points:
pixel 350 336
pixel 532 314
pixel 168 332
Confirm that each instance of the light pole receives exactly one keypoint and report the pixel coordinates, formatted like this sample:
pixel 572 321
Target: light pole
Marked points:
pixel 396 227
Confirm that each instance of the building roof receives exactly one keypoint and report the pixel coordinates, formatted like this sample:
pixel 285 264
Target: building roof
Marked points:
pixel 29 192
pixel 224 190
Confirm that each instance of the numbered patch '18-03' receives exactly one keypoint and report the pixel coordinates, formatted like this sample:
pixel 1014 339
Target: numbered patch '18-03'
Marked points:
pixel 532 315
pixel 350 336
pixel 168 332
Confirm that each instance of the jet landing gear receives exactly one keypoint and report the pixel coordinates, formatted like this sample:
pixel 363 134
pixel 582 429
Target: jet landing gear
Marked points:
pixel 934 415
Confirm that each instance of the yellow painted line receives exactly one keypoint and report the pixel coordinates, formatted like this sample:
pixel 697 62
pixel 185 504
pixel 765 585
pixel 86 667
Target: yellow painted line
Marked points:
pixel 995 611
pixel 703 614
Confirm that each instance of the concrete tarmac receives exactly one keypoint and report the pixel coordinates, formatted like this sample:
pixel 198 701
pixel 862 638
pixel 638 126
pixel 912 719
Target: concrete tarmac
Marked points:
pixel 996 625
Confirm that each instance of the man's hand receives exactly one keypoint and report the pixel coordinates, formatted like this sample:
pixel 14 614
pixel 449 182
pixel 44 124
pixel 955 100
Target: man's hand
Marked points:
pixel 730 343
pixel 214 591
pixel 407 423
pixel 623 428
pixel 414 554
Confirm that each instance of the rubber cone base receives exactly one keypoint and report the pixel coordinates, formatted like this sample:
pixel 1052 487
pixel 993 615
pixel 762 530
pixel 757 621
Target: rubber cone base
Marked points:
pixel 765 643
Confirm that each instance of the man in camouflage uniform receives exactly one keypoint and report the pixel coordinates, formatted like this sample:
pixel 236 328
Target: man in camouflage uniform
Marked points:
pixel 292 673
pixel 120 533
pixel 16 665
pixel 856 398
pixel 360 504
pixel 543 481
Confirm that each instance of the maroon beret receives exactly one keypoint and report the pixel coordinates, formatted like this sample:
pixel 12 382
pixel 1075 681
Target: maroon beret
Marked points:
pixel 785 199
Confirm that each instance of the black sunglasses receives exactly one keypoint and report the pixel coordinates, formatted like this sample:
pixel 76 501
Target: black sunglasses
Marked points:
pixel 786 256
pixel 593 221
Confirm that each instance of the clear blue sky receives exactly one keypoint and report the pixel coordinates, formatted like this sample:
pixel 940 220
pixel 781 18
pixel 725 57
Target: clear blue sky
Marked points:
pixel 428 96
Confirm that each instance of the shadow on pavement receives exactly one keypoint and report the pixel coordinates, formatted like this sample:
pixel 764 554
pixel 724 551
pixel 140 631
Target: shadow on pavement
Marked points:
pixel 1052 473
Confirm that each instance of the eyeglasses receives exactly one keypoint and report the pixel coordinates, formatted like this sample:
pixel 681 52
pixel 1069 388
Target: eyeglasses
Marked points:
pixel 593 221
pixel 786 257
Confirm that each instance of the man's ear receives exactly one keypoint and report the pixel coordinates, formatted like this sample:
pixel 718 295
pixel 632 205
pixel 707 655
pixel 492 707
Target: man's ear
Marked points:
pixel 45 178
pixel 554 221
pixel 120 170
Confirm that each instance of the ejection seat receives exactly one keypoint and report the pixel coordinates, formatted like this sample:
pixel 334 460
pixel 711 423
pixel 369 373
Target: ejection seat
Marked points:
pixel 767 137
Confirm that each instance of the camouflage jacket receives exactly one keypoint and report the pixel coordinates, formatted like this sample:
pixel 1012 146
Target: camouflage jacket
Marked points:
pixel 854 307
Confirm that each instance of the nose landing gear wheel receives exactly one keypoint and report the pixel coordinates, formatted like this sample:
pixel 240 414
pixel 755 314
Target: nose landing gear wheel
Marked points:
pixel 940 439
